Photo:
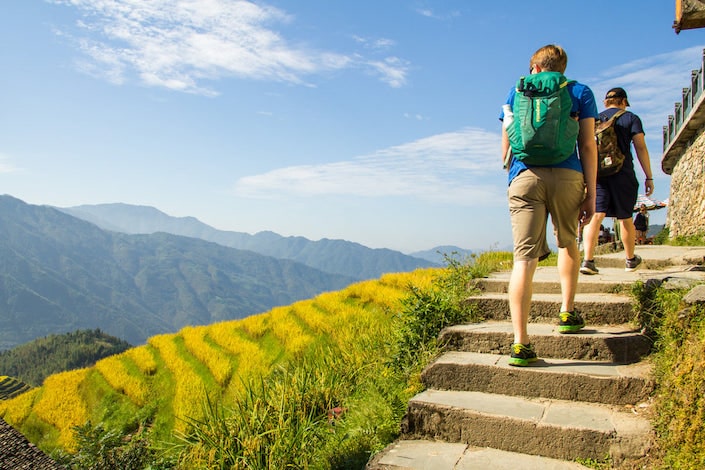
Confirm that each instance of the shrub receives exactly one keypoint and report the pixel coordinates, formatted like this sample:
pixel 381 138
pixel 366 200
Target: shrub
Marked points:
pixel 103 449
pixel 679 366
pixel 275 423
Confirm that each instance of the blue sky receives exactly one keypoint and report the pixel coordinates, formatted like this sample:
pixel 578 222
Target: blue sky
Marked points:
pixel 369 121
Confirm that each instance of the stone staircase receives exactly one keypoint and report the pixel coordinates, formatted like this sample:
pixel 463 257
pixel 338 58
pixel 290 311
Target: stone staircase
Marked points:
pixel 587 398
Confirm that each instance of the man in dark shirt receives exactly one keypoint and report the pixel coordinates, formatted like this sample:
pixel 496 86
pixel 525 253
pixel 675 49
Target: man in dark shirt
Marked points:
pixel 617 194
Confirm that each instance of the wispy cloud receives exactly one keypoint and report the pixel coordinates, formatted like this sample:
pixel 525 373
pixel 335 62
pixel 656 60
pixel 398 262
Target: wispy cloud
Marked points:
pixel 374 43
pixel 431 13
pixel 457 167
pixel 653 84
pixel 183 45
pixel 6 167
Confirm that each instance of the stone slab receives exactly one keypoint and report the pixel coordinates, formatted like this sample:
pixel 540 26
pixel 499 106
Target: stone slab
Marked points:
pixel 435 455
pixel 524 425
pixel 587 381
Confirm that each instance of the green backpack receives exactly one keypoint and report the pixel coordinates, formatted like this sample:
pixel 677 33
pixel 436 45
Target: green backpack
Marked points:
pixel 542 131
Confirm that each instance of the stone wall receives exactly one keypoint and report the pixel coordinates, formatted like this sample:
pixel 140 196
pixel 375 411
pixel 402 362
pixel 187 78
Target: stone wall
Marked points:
pixel 686 204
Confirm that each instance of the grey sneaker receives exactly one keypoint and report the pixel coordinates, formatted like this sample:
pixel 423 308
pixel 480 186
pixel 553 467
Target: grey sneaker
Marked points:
pixel 588 267
pixel 632 264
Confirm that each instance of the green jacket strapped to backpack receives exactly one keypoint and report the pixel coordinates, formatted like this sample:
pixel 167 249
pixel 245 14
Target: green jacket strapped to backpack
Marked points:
pixel 542 131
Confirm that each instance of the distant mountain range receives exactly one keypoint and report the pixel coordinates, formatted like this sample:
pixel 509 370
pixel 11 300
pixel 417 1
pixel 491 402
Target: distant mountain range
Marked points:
pixel 333 256
pixel 59 273
pixel 438 254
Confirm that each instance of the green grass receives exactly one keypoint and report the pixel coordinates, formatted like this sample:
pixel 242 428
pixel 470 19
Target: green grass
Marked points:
pixel 336 404
pixel 663 238
pixel 679 364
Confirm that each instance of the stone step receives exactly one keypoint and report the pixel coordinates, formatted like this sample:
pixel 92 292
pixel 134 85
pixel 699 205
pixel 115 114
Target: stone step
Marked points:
pixel 618 343
pixel 596 309
pixel 557 429
pixel 435 455
pixel 562 379
pixel 546 281
pixel 656 257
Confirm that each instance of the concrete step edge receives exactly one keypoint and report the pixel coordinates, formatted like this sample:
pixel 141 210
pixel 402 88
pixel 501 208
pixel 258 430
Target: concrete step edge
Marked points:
pixel 427 454
pixel 585 285
pixel 595 308
pixel 552 428
pixel 585 381
pixel 617 343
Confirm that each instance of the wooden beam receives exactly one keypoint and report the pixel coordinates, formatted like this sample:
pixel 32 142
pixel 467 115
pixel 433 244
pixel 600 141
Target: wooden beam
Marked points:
pixel 690 14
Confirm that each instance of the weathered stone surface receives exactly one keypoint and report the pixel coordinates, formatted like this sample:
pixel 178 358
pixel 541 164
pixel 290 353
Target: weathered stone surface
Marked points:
pixel 595 308
pixel 696 295
pixel 574 430
pixel 584 381
pixel 686 204
pixel 614 343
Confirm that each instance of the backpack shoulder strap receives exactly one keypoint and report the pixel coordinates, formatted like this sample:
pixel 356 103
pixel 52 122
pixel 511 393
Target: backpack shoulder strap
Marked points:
pixel 615 116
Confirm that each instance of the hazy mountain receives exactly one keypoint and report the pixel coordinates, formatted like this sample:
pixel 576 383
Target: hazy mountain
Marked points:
pixel 334 256
pixel 59 274
pixel 437 255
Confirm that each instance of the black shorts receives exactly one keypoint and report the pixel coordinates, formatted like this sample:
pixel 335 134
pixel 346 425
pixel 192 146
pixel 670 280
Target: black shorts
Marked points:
pixel 617 194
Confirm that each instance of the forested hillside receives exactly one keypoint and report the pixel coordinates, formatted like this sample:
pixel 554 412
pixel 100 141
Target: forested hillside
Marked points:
pixel 60 274
pixel 335 256
pixel 34 361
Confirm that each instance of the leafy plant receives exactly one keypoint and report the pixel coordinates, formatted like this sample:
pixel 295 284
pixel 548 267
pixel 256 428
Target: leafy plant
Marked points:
pixel 110 449
pixel 426 311
pixel 691 240
pixel 679 365
pixel 276 422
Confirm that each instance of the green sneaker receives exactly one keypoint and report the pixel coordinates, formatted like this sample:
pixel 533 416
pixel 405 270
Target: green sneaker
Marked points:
pixel 522 355
pixel 570 322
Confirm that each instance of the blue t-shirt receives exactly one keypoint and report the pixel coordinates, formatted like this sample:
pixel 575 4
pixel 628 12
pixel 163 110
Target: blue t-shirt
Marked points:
pixel 583 107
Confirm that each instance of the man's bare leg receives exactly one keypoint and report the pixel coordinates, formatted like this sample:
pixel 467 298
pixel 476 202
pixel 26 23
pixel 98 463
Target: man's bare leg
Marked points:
pixel 591 232
pixel 520 291
pixel 568 269
pixel 628 237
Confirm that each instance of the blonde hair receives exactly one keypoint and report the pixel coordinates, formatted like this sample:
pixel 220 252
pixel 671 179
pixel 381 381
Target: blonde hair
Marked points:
pixel 550 58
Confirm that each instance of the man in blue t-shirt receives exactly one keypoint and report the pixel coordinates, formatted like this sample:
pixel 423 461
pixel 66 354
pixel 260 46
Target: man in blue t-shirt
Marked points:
pixel 617 194
pixel 566 191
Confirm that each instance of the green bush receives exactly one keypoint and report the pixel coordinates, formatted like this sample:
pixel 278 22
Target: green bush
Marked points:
pixel 663 238
pixel 679 367
pixel 425 312
pixel 103 449
pixel 680 374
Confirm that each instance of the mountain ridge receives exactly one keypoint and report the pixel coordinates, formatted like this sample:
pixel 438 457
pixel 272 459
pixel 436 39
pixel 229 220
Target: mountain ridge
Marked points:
pixel 329 255
pixel 60 273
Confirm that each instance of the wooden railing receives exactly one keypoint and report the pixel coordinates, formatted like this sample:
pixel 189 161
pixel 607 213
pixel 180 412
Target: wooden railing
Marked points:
pixel 686 106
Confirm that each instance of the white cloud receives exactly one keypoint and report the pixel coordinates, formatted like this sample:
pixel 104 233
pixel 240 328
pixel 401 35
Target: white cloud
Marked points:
pixel 391 70
pixel 430 13
pixel 181 44
pixel 455 167
pixel 653 85
pixel 377 44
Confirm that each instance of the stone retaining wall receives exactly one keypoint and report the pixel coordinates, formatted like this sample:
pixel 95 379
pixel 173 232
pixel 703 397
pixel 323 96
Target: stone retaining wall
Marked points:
pixel 686 205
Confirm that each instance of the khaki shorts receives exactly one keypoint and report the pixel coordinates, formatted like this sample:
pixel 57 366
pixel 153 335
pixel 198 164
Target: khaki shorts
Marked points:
pixel 533 195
